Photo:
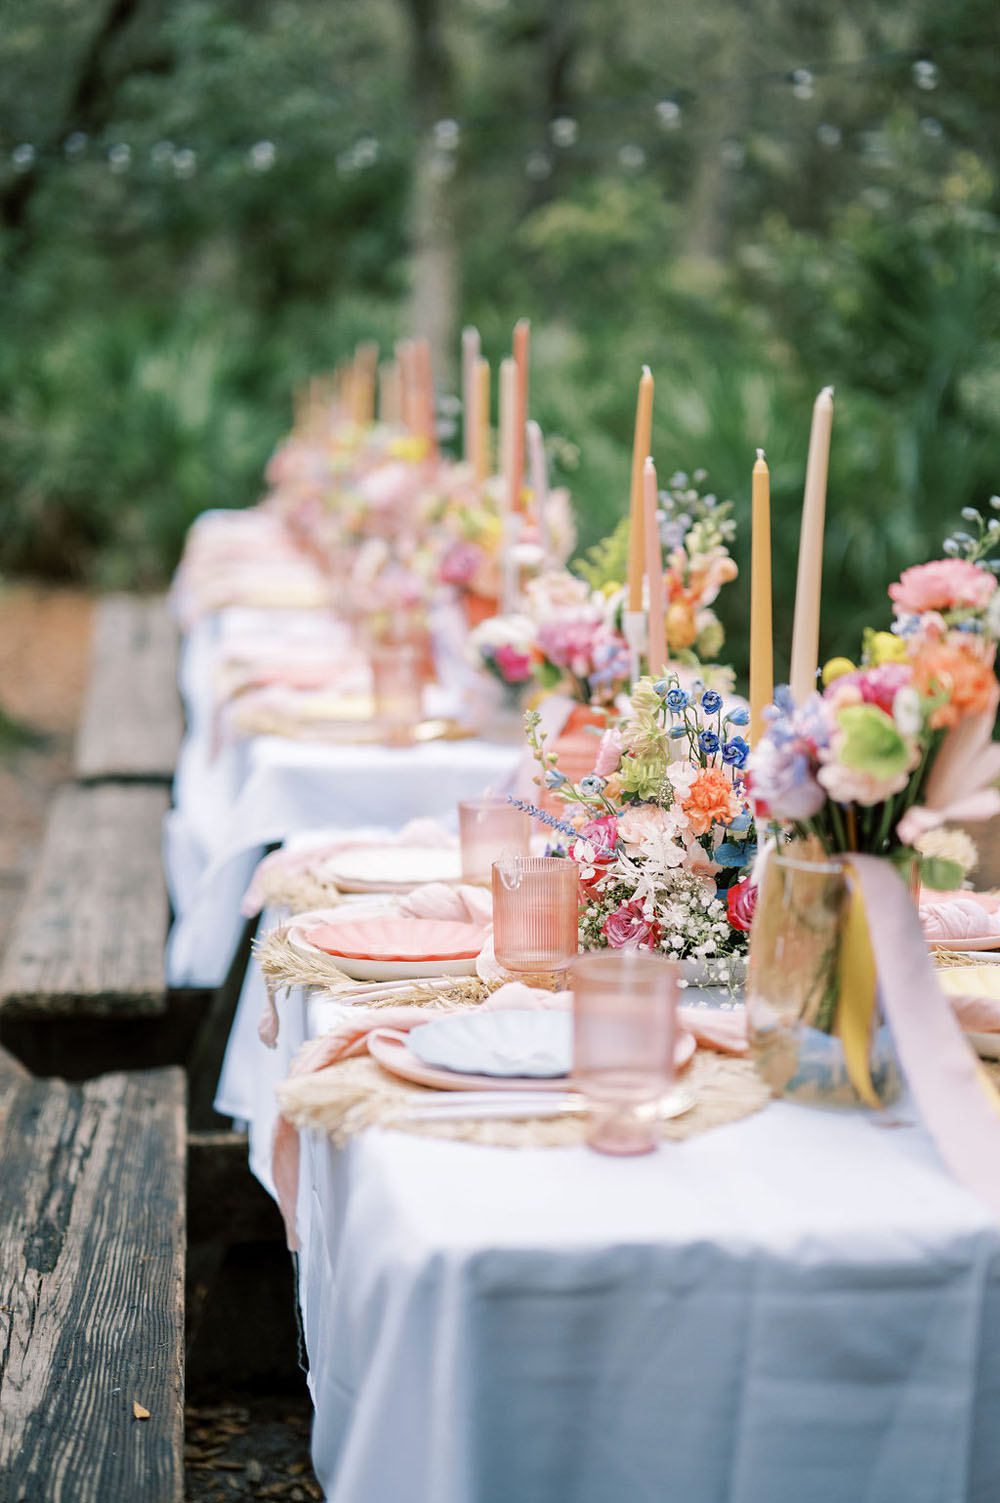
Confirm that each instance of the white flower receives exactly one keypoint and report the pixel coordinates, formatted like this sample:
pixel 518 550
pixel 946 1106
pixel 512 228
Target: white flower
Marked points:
pixel 906 711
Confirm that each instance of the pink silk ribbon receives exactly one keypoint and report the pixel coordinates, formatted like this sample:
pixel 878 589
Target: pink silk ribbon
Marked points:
pixel 959 1105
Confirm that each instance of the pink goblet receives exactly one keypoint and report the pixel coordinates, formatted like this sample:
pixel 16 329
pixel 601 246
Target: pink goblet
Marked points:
pixel 624 1024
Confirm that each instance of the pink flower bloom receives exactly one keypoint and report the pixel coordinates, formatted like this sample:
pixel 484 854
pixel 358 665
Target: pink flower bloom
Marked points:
pixel 602 833
pixel 460 563
pixel 873 686
pixel 945 584
pixel 741 901
pixel 628 928
pixel 609 753
pixel 570 642
pixel 652 831
pixel 515 666
pixel 852 785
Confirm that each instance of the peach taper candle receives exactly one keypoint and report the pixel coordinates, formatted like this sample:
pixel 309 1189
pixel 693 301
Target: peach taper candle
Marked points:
pixel 640 449
pixel 654 571
pixel 761 636
pixel 809 581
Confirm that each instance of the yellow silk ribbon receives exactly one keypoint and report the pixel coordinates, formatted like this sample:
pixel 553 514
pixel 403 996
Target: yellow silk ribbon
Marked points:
pixel 856 995
pixel 856 1002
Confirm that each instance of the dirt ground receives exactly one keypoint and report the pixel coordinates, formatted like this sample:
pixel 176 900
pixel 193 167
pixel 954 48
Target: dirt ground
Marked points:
pixel 238 1446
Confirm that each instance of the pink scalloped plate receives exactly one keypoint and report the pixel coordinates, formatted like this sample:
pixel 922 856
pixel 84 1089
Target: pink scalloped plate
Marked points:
pixel 399 940
pixel 392 1051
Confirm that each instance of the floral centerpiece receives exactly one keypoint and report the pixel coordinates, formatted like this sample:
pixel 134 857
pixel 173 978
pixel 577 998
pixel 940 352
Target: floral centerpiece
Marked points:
pixel 875 763
pixel 661 827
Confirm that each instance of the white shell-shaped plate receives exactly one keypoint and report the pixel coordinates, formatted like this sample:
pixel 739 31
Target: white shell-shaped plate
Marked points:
pixel 393 868
pixel 510 1041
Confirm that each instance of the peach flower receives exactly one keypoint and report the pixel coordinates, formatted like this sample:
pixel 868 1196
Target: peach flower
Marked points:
pixel 959 670
pixel 710 800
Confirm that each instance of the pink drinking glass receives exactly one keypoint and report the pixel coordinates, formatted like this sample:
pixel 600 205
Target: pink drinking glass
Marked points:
pixel 624 1022
pixel 489 828
pixel 535 912
pixel 396 687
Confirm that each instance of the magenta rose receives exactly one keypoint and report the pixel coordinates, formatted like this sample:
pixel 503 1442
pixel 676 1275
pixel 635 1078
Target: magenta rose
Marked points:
pixel 514 665
pixel 602 833
pixel 629 929
pixel 741 900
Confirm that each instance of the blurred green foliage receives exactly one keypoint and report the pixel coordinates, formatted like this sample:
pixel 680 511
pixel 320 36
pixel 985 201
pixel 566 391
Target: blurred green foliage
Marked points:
pixel 219 204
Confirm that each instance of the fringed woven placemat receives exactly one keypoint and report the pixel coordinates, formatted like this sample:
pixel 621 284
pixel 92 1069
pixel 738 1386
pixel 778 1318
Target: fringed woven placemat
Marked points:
pixel 946 960
pixel 354 1094
pixel 284 965
pixel 296 891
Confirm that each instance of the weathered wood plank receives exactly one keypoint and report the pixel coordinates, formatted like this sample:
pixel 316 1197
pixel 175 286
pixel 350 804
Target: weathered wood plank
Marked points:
pixel 91 1290
pixel 90 935
pixel 132 721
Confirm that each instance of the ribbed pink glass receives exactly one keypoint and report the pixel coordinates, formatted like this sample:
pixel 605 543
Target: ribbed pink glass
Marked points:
pixel 535 910
pixel 624 1023
pixel 489 828
pixel 396 686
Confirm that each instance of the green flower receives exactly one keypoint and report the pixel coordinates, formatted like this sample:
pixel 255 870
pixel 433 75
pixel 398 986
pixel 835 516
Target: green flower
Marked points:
pixel 644 774
pixel 871 742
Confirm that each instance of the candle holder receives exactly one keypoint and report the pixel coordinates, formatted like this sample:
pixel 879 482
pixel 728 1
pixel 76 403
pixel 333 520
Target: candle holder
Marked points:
pixel 624 1024
pixel 488 829
pixel 396 688
pixel 536 902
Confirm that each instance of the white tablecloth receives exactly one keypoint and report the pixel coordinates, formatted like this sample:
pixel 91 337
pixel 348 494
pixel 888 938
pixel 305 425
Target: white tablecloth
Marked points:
pixel 255 791
pixel 799 1308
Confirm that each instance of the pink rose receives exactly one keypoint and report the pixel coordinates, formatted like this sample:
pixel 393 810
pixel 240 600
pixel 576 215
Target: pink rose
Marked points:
pixel 741 901
pixel 629 929
pixel 609 753
pixel 514 665
pixel 943 585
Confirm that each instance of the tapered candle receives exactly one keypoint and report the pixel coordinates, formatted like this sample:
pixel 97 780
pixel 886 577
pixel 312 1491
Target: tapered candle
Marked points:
pixel 522 344
pixel 508 385
pixel 366 364
pixel 761 639
pixel 640 449
pixel 470 358
pixel 404 358
pixel 540 486
pixel 808 584
pixel 482 420
pixel 654 571
pixel 425 387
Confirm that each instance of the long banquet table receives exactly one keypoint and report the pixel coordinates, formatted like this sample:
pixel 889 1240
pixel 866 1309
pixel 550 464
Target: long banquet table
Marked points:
pixel 232 801
pixel 799 1306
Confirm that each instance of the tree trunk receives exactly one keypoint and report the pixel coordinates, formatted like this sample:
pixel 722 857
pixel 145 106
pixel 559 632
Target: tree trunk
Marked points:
pixel 434 259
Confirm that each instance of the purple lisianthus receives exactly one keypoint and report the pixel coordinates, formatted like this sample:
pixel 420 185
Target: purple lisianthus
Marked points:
pixel 781 780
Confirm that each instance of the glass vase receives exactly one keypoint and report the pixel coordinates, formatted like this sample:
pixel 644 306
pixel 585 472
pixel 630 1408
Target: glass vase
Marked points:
pixel 793 987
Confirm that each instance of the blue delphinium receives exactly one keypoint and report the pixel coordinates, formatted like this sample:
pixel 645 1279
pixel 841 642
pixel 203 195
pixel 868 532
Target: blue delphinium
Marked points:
pixel 735 752
pixel 677 701
pixel 739 716
pixel 709 742
pixel 711 701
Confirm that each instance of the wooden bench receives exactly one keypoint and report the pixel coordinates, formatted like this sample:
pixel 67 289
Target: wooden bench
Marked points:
pixel 92 1211
pixel 132 722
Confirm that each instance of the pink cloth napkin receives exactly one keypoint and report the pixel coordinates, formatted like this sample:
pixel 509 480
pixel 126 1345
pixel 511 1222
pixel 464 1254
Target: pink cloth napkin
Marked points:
pixel 959 915
pixel 348 1037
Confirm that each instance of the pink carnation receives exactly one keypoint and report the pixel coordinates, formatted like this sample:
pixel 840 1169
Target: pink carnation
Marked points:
pixel 570 642
pixel 460 563
pixel 943 585
pixel 514 665
pixel 628 928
